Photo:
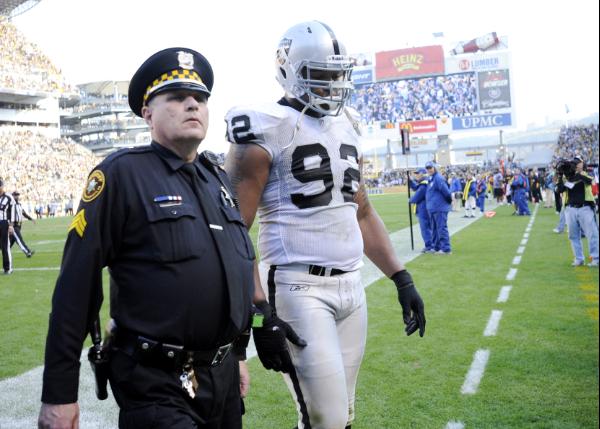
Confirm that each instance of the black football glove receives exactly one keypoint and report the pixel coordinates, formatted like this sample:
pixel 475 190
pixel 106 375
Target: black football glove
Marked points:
pixel 269 339
pixel 411 301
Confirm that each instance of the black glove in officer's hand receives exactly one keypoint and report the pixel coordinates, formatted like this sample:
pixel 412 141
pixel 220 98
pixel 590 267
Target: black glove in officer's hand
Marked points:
pixel 270 339
pixel 411 301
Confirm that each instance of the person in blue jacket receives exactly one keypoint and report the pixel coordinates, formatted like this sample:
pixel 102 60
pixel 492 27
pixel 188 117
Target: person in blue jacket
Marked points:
pixel 520 187
pixel 481 190
pixel 456 189
pixel 419 184
pixel 438 199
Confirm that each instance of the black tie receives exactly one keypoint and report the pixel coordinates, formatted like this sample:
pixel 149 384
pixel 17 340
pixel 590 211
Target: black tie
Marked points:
pixel 213 216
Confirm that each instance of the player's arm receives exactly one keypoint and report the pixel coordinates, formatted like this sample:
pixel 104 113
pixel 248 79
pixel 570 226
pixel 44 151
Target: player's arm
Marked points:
pixel 248 166
pixel 378 248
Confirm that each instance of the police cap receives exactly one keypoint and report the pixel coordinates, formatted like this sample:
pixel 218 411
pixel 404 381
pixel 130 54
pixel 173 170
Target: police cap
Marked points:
pixel 421 171
pixel 16 194
pixel 169 69
pixel 429 164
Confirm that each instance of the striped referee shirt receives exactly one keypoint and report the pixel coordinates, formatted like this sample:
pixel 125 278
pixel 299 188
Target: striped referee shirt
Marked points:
pixel 20 214
pixel 7 208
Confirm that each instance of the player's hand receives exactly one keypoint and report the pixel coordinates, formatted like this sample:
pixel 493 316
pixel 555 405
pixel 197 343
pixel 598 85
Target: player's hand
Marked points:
pixel 270 340
pixel 11 230
pixel 413 309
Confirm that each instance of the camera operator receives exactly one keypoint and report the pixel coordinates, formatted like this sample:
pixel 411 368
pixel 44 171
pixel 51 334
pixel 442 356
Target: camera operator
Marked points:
pixel 579 202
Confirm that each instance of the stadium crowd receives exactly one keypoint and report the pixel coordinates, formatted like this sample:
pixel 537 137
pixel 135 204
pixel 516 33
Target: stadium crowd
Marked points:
pixel 580 140
pixel 416 99
pixel 47 172
pixel 23 66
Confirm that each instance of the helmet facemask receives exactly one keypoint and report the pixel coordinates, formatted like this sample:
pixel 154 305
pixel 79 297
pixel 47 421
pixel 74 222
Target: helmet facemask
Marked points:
pixel 324 87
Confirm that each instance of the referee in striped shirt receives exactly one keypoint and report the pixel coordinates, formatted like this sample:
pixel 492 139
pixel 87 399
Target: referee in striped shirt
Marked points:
pixel 7 220
pixel 20 215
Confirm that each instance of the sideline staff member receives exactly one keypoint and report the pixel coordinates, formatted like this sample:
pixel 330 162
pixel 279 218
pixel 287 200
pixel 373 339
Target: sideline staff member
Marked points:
pixel 7 219
pixel 180 260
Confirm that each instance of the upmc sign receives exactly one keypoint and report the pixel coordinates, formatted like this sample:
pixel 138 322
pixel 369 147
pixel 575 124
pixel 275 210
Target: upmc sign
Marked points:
pixel 405 63
pixel 484 121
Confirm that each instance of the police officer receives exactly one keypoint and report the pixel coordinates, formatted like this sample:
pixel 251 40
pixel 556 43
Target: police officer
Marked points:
pixel 7 220
pixel 420 186
pixel 20 214
pixel 164 221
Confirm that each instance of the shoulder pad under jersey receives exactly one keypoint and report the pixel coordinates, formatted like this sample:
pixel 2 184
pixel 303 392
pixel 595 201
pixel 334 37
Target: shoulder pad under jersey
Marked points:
pixel 252 124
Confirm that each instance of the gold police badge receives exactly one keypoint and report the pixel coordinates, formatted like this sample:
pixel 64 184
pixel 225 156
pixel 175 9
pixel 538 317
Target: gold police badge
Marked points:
pixel 94 187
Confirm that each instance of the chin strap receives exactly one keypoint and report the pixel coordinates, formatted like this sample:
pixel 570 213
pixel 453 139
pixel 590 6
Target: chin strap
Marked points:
pixel 297 127
pixel 353 121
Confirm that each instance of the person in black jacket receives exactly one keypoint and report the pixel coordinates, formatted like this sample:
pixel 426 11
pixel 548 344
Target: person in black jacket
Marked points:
pixel 17 237
pixel 7 220
pixel 166 224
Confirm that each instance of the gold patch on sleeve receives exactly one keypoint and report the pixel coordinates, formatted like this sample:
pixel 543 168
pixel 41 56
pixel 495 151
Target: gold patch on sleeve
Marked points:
pixel 94 186
pixel 79 223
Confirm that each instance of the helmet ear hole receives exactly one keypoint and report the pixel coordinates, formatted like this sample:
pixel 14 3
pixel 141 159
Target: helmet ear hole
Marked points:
pixel 283 73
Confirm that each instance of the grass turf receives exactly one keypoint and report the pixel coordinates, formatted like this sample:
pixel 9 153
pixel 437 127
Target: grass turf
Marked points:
pixel 543 366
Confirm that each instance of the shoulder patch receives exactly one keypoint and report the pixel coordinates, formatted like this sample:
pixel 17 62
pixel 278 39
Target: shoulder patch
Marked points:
pixel 79 223
pixel 94 186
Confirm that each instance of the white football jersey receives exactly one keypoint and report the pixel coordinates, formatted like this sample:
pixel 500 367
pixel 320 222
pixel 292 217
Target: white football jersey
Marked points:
pixel 307 213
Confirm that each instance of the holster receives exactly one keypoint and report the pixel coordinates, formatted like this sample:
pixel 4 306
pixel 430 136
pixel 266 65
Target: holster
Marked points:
pixel 99 357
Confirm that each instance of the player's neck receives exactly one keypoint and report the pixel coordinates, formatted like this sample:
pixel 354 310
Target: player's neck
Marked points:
pixel 296 105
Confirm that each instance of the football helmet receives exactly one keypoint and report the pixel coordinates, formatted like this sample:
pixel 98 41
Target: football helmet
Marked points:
pixel 313 67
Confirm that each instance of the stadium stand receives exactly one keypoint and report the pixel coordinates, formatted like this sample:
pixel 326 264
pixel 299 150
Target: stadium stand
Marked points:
pixel 579 140
pixel 47 170
pixel 44 170
pixel 416 99
pixel 23 66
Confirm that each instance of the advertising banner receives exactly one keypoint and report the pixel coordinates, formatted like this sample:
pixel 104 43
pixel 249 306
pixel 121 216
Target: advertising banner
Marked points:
pixel 482 121
pixel 412 62
pixel 494 90
pixel 417 127
pixel 362 75
pixel 495 60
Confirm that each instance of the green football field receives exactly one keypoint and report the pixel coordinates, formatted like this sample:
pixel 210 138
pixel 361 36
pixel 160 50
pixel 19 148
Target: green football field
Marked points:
pixel 541 366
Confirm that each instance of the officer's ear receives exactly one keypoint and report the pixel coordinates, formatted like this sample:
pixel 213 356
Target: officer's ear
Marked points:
pixel 147 115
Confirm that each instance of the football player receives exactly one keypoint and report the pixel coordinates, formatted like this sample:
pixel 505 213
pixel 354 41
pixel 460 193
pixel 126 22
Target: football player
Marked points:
pixel 297 163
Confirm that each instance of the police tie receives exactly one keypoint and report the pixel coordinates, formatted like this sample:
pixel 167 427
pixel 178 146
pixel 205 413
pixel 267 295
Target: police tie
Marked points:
pixel 213 216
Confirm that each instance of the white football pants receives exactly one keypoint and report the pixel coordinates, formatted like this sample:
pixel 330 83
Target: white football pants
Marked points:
pixel 330 313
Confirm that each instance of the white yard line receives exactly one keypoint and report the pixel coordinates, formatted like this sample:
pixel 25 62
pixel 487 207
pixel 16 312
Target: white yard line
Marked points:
pixel 516 260
pixel 504 293
pixel 454 425
pixel 520 250
pixel 511 274
pixel 475 373
pixel 493 322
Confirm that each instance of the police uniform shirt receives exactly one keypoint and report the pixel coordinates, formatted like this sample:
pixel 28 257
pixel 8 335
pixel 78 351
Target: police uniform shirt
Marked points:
pixel 140 217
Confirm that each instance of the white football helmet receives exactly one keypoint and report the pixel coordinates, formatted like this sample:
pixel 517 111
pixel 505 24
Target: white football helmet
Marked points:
pixel 314 68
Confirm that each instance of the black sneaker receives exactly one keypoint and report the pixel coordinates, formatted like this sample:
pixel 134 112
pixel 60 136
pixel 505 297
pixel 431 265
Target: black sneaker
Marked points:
pixel 30 254
pixel 7 272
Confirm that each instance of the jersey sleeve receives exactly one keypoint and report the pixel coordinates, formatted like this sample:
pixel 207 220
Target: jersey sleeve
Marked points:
pixel 256 125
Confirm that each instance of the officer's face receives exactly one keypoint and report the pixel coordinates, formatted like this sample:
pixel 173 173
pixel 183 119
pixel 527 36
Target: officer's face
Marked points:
pixel 177 116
